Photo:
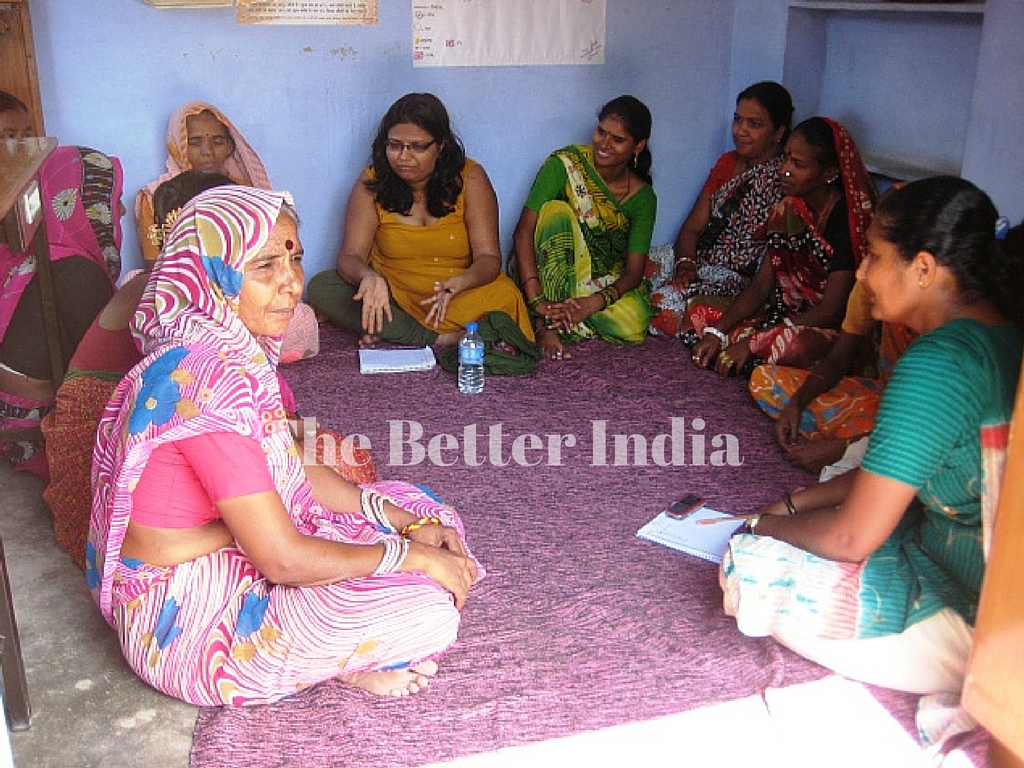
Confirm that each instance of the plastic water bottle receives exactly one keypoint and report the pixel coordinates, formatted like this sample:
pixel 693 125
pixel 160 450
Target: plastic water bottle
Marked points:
pixel 471 361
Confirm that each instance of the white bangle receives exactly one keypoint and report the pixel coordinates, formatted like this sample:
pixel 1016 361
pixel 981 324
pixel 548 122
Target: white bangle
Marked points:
pixel 372 504
pixel 722 337
pixel 395 550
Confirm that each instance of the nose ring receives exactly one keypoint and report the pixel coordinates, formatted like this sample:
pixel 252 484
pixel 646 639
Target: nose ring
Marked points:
pixel 787 174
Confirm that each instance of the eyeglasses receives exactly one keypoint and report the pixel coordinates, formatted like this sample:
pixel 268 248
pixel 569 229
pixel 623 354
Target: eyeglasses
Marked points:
pixel 416 147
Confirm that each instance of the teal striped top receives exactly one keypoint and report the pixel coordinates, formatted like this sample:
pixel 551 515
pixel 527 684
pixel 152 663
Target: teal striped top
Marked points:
pixel 948 385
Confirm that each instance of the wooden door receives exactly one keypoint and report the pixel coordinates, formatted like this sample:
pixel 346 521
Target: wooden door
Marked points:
pixel 994 689
pixel 18 75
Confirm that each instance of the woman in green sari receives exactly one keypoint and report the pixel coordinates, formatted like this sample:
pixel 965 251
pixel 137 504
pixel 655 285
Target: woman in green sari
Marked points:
pixel 582 239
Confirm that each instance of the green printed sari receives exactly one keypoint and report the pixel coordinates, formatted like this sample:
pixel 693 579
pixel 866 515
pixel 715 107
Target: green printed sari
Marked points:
pixel 581 242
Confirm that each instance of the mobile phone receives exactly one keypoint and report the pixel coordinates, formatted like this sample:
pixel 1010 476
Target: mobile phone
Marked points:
pixel 685 506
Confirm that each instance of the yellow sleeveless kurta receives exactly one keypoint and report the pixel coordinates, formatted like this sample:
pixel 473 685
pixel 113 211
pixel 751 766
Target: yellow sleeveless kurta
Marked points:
pixel 412 258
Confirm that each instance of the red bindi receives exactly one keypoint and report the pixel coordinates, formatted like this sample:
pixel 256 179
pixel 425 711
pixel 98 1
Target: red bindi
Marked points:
pixel 289 244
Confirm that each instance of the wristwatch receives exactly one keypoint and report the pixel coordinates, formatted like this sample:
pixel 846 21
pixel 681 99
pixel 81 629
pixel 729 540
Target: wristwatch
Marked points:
pixel 752 523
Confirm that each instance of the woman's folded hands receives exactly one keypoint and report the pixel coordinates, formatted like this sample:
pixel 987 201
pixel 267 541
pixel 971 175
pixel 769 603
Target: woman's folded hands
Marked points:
pixel 451 569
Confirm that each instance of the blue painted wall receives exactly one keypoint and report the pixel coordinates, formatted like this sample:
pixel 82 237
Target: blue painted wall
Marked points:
pixel 938 89
pixel 308 98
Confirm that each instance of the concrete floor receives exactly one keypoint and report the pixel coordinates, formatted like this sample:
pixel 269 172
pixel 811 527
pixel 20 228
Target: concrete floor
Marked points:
pixel 88 708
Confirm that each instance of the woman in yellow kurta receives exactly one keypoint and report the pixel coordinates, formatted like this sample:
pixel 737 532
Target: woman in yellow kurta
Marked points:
pixel 420 256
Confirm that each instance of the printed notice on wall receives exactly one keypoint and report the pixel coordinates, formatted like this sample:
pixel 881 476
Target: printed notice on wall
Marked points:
pixel 306 12
pixel 487 33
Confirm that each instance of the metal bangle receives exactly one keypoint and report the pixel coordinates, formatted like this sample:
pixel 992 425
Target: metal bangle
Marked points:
pixel 788 501
pixel 722 337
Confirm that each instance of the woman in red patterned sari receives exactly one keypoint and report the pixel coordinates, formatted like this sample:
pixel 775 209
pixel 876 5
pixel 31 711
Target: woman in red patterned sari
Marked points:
pixel 815 240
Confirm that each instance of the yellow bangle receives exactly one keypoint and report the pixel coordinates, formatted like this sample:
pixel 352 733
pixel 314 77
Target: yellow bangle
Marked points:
pixel 423 521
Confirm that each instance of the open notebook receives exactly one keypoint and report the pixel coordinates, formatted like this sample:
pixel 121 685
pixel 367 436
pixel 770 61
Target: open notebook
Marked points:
pixel 396 360
pixel 691 536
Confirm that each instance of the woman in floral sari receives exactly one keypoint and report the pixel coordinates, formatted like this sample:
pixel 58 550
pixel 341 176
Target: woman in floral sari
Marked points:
pixel 232 573
pixel 814 242
pixel 821 413
pixel 720 245
pixel 582 239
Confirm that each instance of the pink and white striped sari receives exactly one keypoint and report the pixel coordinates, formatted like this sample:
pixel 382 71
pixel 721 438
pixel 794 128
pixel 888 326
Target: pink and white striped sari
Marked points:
pixel 214 631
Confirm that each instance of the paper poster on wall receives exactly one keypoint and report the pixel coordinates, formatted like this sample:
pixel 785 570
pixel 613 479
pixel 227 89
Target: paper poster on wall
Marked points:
pixel 487 33
pixel 306 12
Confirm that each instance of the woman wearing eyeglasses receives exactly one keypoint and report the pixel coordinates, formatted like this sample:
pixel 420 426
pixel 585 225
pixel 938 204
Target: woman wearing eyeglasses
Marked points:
pixel 420 256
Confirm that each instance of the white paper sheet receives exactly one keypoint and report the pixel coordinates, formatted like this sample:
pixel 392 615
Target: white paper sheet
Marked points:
pixel 690 536
pixel 306 12
pixel 460 33
pixel 396 360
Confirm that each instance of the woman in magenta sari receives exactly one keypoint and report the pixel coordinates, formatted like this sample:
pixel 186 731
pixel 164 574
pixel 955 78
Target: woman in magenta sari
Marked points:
pixel 815 240
pixel 81 204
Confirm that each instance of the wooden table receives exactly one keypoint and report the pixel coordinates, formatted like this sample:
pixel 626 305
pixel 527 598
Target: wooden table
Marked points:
pixel 21 219
pixel 19 165
pixel 21 211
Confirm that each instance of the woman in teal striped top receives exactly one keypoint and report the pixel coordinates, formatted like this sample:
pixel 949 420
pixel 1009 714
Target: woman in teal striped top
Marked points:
pixel 877 574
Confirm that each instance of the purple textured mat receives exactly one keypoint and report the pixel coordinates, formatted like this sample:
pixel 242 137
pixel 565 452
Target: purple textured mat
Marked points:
pixel 579 625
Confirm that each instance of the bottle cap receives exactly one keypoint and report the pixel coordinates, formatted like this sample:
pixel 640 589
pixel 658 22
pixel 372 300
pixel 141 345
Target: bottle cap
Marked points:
pixel 472 327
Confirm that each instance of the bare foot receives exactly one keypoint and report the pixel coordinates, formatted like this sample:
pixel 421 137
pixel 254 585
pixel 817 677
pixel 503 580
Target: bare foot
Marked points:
pixel 394 682
pixel 812 455
pixel 449 339
pixel 551 345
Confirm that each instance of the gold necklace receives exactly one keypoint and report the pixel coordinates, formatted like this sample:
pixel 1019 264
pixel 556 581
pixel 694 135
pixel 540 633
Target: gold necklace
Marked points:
pixel 629 186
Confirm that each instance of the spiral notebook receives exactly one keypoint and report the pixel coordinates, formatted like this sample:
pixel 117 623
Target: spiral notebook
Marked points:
pixel 396 360
pixel 691 536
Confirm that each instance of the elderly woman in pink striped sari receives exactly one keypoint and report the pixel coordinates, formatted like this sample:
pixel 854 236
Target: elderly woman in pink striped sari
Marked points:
pixel 252 579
